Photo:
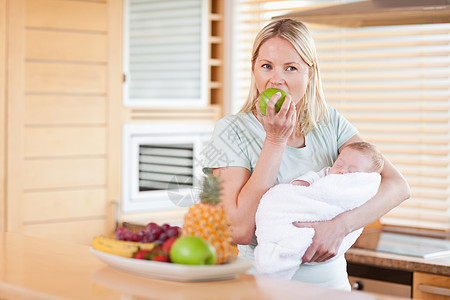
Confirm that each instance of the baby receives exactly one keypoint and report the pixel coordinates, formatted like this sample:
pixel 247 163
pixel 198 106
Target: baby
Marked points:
pixel 356 157
pixel 353 179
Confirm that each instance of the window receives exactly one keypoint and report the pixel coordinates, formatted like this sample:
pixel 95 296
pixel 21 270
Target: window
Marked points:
pixel 165 55
pixel 392 83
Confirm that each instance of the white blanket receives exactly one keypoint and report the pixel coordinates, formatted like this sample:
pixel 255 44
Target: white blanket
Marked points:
pixel 281 245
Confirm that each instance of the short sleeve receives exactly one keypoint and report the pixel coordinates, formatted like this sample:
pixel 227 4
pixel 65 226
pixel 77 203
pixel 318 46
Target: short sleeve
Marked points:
pixel 227 146
pixel 344 129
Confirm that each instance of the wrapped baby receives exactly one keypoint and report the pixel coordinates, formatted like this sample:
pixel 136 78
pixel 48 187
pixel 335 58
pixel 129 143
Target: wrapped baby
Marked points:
pixel 353 179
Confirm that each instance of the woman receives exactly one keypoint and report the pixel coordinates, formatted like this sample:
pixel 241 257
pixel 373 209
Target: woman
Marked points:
pixel 259 151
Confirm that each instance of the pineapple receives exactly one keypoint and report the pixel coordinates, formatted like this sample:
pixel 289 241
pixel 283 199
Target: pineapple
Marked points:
pixel 209 220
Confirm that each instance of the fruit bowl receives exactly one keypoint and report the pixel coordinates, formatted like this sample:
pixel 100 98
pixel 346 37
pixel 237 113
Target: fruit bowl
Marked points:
pixel 177 272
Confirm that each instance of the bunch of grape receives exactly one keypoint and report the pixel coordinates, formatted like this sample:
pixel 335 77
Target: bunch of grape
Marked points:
pixel 152 233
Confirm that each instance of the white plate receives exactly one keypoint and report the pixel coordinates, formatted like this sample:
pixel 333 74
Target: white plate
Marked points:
pixel 175 271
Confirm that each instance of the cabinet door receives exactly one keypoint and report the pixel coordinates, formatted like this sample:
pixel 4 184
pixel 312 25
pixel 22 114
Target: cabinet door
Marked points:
pixel 430 286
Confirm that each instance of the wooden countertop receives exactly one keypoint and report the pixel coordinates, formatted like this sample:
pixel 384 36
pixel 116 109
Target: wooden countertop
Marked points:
pixel 35 268
pixel 439 266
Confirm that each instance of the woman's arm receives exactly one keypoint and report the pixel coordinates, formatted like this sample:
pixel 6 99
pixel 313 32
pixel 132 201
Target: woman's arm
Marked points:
pixel 242 191
pixel 329 234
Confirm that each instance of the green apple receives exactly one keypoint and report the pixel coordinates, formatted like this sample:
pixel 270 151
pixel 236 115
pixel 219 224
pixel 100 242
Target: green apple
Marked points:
pixel 265 97
pixel 192 250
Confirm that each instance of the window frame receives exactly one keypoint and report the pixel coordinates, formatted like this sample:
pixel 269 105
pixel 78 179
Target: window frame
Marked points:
pixel 202 101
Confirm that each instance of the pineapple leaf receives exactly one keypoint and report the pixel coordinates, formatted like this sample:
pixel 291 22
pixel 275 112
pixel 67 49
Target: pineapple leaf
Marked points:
pixel 212 189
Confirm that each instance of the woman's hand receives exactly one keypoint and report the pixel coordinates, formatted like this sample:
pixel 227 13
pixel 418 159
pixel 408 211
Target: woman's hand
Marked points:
pixel 278 126
pixel 326 241
pixel 242 189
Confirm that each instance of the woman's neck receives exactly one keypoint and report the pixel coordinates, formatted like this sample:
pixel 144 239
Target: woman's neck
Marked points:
pixel 296 140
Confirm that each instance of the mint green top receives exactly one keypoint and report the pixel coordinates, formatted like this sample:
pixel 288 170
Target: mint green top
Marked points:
pixel 237 141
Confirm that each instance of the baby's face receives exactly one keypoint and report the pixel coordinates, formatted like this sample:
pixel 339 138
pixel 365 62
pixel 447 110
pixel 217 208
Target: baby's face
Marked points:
pixel 351 161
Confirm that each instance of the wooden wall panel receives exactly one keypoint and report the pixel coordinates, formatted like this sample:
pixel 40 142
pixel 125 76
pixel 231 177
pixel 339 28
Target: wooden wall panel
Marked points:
pixel 75 15
pixel 64 173
pixel 61 141
pixel 15 107
pixel 68 46
pixel 65 109
pixel 66 204
pixel 74 232
pixel 115 112
pixel 58 116
pixel 3 59
pixel 65 78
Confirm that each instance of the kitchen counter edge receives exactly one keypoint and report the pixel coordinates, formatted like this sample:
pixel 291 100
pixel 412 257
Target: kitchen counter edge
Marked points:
pixel 438 266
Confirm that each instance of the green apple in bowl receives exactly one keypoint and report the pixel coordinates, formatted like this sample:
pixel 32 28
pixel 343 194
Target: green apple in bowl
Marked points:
pixel 192 250
pixel 265 97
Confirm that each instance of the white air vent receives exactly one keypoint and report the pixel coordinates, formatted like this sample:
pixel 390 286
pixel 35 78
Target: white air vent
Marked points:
pixel 161 165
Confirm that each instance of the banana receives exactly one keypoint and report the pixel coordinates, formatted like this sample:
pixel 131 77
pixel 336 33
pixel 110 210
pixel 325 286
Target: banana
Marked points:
pixel 121 248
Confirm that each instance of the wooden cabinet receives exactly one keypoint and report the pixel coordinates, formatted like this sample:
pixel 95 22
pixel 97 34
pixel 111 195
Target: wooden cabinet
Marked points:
pixel 216 43
pixel 399 283
pixel 431 286
pixel 385 281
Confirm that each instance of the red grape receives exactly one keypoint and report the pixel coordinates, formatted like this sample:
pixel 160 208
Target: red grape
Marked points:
pixel 172 232
pixel 150 226
pixel 165 227
pixel 152 233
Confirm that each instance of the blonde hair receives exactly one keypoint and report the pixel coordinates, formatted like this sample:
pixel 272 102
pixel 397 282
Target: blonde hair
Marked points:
pixel 372 151
pixel 313 107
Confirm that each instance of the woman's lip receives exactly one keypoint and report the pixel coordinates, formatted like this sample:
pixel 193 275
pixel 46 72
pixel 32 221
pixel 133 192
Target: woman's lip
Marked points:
pixel 276 87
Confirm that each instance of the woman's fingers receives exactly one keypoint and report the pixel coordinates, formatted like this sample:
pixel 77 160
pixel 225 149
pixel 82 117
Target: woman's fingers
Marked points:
pixel 259 114
pixel 270 109
pixel 285 114
pixel 317 253
pixel 325 244
pixel 285 107
pixel 322 255
pixel 303 224
pixel 291 110
pixel 278 125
